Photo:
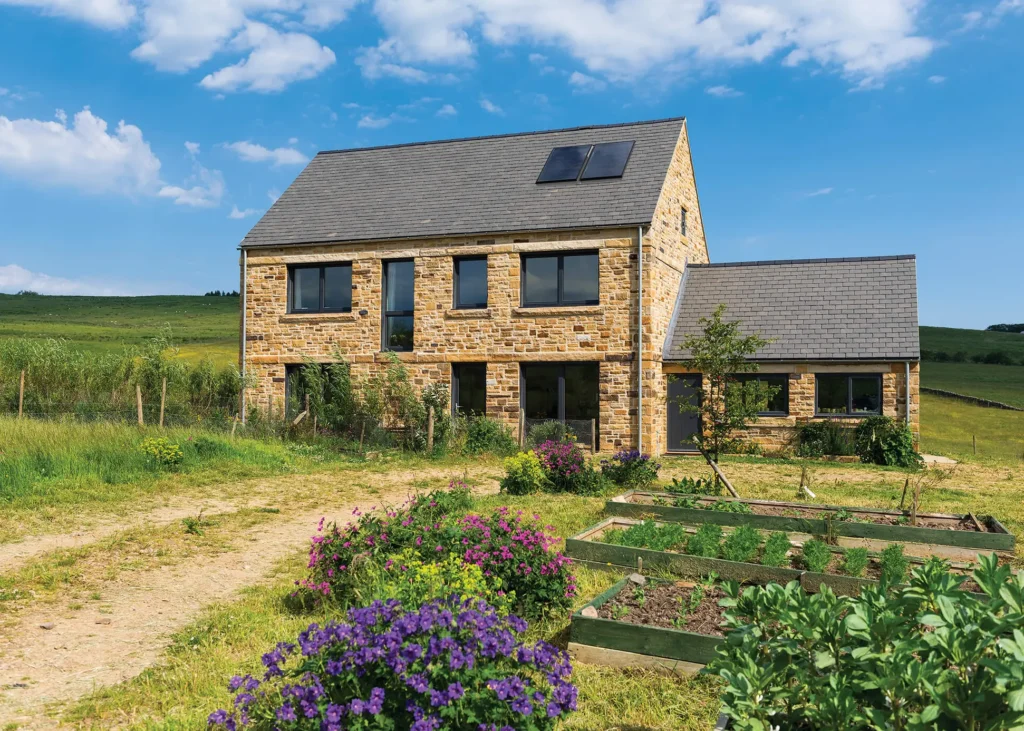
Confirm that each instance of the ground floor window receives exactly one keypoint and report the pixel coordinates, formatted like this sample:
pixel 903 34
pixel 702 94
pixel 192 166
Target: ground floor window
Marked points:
pixel 565 392
pixel 778 404
pixel 469 388
pixel 848 395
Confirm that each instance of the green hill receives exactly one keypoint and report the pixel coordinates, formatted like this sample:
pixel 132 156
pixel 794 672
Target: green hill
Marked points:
pixel 1003 383
pixel 199 325
pixel 951 340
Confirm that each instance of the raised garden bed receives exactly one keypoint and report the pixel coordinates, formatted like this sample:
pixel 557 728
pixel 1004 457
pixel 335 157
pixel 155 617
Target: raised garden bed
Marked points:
pixel 978 533
pixel 589 546
pixel 630 638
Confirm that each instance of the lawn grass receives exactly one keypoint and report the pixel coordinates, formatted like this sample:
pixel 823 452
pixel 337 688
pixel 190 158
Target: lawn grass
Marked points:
pixel 948 426
pixel 205 326
pixel 1004 383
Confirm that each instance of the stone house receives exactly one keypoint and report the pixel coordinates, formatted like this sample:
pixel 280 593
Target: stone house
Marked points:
pixel 547 275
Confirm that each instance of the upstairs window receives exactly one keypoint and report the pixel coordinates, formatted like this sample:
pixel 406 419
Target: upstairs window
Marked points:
pixel 848 395
pixel 471 282
pixel 682 221
pixel 398 304
pixel 326 288
pixel 554 280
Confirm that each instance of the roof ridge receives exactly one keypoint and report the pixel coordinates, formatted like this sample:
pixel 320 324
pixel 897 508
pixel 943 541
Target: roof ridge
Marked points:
pixel 502 136
pixel 774 262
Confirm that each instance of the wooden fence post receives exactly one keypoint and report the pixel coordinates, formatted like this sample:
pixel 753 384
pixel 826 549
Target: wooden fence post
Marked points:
pixel 430 428
pixel 270 408
pixel 138 403
pixel 522 428
pixel 21 394
pixel 593 436
pixel 974 438
pixel 234 425
pixel 163 398
pixel 362 433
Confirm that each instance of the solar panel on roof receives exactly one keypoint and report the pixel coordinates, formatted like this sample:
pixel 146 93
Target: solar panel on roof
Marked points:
pixel 564 163
pixel 608 160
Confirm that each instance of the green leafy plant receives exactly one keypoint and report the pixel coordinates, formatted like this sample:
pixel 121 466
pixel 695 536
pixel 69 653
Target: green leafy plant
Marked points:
pixel 639 595
pixel 825 437
pixel 689 605
pixel 776 550
pixel 882 440
pixel 894 565
pixel 855 561
pixel 647 534
pixel 550 431
pixel 619 611
pixel 742 544
pixel 706 542
pixel 524 475
pixel 630 468
pixel 927 656
pixel 163 451
pixel 816 556
pixel 487 435
pixel 694 486
pixel 196 524
pixel 730 506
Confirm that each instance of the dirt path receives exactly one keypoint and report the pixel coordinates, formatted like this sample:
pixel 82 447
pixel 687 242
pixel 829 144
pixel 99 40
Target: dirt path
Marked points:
pixel 78 654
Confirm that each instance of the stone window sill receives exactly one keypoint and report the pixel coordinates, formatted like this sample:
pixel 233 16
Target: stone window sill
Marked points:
pixel 558 311
pixel 468 314
pixel 318 317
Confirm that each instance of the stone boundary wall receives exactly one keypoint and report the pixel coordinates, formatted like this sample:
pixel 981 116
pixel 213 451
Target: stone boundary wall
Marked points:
pixel 970 399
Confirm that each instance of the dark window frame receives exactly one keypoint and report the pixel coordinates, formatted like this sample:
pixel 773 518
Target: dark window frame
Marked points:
pixel 525 366
pixel 784 393
pixel 457 277
pixel 850 413
pixel 387 314
pixel 457 385
pixel 322 267
pixel 560 301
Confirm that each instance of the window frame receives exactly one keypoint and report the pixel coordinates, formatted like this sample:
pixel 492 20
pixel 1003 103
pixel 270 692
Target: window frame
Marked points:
pixel 683 223
pixel 292 268
pixel 457 277
pixel 457 386
pixel 784 393
pixel 850 413
pixel 560 297
pixel 387 314
pixel 525 366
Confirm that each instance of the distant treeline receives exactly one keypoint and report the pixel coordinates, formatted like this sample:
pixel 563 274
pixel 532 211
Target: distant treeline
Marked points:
pixel 1017 328
pixel 995 357
pixel 218 293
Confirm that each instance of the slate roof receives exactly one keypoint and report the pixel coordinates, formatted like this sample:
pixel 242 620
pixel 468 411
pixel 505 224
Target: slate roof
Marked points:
pixel 818 309
pixel 463 187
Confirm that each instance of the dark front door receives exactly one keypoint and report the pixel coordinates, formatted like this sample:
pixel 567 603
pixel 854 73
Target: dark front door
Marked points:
pixel 682 425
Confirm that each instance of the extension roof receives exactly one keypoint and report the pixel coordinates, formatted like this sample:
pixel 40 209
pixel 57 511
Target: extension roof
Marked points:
pixel 858 309
pixel 471 186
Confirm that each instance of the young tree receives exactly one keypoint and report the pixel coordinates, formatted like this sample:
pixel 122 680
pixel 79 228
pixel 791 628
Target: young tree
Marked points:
pixel 727 405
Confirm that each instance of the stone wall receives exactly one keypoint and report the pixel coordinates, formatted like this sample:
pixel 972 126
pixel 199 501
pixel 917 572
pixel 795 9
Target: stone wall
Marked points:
pixel 777 433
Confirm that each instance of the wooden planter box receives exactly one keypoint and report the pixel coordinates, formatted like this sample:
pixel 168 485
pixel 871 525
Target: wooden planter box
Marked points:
pixel 636 504
pixel 660 646
pixel 584 547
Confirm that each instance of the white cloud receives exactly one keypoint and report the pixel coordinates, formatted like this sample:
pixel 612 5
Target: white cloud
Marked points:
pixel 273 194
pixel 14 278
pixel 375 64
pixel 488 106
pixel 103 13
pixel 4 92
pixel 237 214
pixel 723 92
pixel 83 155
pixel 1009 6
pixel 971 20
pixel 372 121
pixel 625 39
pixel 193 148
pixel 819 192
pixel 277 59
pixel 206 187
pixel 583 82
pixel 293 140
pixel 937 79
pixel 538 58
pixel 447 111
pixel 258 153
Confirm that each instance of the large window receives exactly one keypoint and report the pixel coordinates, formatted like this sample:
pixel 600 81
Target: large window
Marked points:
pixel 848 395
pixel 398 304
pixel 471 282
pixel 560 279
pixel 469 388
pixel 326 288
pixel 560 392
pixel 778 404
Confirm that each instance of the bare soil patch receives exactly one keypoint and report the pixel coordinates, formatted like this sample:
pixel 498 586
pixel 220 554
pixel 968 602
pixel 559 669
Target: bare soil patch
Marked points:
pixel 670 605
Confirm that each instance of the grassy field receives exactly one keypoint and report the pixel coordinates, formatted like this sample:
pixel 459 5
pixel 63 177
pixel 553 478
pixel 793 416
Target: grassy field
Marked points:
pixel 972 342
pixel 202 326
pixel 948 426
pixel 994 382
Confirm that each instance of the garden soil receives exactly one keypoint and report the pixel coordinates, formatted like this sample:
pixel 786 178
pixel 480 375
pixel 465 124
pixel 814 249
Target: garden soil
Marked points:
pixel 57 654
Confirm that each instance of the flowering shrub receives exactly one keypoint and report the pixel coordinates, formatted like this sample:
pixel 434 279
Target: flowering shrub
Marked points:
pixel 567 469
pixel 414 582
pixel 524 474
pixel 448 664
pixel 514 555
pixel 630 468
pixel 163 451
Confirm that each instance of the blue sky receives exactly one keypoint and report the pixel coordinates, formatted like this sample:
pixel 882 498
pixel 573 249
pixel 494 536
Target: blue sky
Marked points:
pixel 140 139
